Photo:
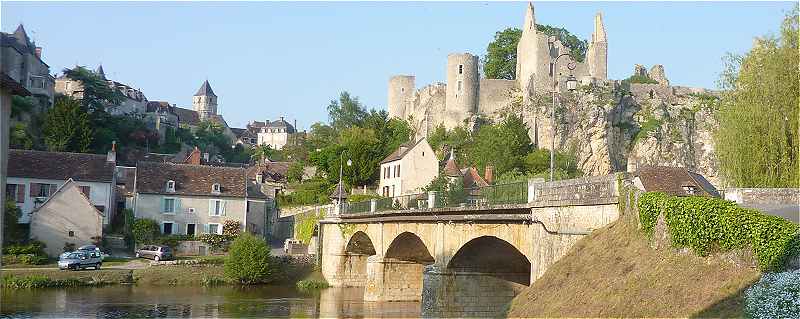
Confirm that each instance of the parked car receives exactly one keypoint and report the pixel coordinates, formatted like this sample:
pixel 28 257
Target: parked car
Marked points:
pixel 155 252
pixel 80 260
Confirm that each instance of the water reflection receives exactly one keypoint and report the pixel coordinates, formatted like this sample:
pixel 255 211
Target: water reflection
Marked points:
pixel 189 302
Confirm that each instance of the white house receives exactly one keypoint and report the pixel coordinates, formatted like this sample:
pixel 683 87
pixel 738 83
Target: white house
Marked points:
pixel 275 134
pixel 198 199
pixel 408 169
pixel 34 176
pixel 66 217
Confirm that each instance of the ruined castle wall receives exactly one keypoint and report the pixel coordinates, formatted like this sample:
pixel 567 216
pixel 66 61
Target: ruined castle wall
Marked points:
pixel 495 95
pixel 401 94
pixel 462 83
pixel 428 104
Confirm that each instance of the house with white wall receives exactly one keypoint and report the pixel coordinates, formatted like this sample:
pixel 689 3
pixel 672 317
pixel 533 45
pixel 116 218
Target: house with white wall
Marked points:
pixel 66 217
pixel 34 176
pixel 197 199
pixel 408 169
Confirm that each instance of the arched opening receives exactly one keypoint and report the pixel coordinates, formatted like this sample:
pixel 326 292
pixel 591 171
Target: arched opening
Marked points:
pixel 354 264
pixel 398 276
pixel 493 256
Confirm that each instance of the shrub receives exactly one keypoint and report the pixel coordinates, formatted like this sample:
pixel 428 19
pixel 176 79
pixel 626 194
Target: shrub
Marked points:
pixel 216 241
pixel 39 281
pixel 231 228
pixel 172 240
pixel 311 284
pixel 34 247
pixel 704 223
pixel 145 230
pixel 248 261
pixel 776 295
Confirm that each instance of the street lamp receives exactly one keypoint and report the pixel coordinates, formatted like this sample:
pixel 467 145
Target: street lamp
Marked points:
pixel 341 188
pixel 572 83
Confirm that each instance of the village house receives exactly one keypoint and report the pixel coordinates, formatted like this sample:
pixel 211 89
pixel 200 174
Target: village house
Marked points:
pixel 67 217
pixel 132 103
pixel 276 134
pixel 34 176
pixel 22 62
pixel 196 199
pixel 675 181
pixel 408 169
pixel 469 177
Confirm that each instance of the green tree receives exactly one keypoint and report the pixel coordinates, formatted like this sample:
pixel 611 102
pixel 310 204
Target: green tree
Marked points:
pixel 503 145
pixel 19 137
pixel 364 149
pixel 145 231
pixel 248 260
pixel 295 172
pixel 500 61
pixel 21 104
pixel 211 138
pixel 262 152
pixel 12 233
pixel 346 112
pixel 97 94
pixel 757 140
pixel 67 127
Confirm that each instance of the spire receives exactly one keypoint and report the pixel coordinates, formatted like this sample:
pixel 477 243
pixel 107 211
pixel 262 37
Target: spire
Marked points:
pixel 451 168
pixel 205 90
pixel 599 34
pixel 100 72
pixel 21 35
pixel 530 19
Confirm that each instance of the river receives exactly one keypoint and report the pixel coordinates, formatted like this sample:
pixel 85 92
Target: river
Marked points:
pixel 136 301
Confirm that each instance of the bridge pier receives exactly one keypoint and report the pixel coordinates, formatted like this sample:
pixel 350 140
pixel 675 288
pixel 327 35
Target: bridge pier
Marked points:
pixel 457 293
pixel 345 270
pixel 390 279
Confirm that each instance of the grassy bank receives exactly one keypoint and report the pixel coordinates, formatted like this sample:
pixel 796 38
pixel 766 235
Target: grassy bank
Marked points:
pixel 615 273
pixel 41 278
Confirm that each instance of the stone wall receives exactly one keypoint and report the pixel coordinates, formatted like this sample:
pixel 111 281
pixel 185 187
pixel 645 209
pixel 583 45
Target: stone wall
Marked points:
pixel 763 195
pixel 456 294
pixel 495 96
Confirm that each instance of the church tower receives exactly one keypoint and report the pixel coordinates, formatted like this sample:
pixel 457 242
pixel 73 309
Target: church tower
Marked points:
pixel 597 55
pixel 205 102
pixel 528 53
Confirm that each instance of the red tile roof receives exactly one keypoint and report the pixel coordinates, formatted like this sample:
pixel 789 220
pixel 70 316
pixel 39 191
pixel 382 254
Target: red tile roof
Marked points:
pixel 672 180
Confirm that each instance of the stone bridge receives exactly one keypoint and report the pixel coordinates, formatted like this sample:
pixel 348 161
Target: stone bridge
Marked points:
pixel 471 259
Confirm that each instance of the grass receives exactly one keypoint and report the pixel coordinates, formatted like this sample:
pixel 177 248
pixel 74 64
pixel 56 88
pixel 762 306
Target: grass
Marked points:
pixel 180 275
pixel 35 278
pixel 615 273
pixel 313 281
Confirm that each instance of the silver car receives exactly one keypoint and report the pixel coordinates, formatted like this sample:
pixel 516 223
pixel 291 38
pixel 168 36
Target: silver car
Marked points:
pixel 80 260
pixel 155 252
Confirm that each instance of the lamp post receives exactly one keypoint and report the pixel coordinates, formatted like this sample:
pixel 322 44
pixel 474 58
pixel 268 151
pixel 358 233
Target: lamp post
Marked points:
pixel 341 166
pixel 572 83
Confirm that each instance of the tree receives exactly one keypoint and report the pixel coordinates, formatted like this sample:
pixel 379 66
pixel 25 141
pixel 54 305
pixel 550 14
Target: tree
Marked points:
pixel 346 112
pixel 97 94
pixel 500 61
pixel 295 172
pixel 19 137
pixel 211 138
pixel 363 148
pixel 248 260
pixel 12 234
pixel 757 140
pixel 145 230
pixel 503 145
pixel 262 153
pixel 67 127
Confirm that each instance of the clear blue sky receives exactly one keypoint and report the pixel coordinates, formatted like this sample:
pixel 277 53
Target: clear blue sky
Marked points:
pixel 266 60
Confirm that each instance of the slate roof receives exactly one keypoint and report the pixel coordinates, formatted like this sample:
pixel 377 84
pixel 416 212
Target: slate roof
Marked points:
pixel 187 116
pixel 194 180
pixel 60 166
pixel 401 151
pixel 273 171
pixel 205 90
pixel 671 180
pixel 339 192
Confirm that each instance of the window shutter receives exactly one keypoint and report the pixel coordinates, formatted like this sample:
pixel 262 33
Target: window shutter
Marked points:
pixel 210 208
pixel 176 228
pixel 20 193
pixel 53 188
pixel 205 228
pixel 177 205
pixel 35 189
pixel 222 207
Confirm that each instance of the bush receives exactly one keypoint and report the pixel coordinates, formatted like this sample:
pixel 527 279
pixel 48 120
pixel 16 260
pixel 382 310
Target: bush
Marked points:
pixel 145 231
pixel 231 228
pixel 216 241
pixel 248 260
pixel 39 281
pixel 172 240
pixel 704 223
pixel 311 284
pixel 776 295
pixel 34 247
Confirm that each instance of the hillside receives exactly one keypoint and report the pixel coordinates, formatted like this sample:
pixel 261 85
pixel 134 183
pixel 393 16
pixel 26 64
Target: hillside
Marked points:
pixel 614 272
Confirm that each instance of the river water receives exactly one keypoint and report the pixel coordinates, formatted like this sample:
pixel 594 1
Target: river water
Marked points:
pixel 134 301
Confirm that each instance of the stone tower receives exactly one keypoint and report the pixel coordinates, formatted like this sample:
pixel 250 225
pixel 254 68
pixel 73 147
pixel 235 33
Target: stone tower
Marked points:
pixel 528 53
pixel 597 55
pixel 205 101
pixel 462 84
pixel 401 95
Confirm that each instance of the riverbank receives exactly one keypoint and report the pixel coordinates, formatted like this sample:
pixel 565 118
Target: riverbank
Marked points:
pixel 185 272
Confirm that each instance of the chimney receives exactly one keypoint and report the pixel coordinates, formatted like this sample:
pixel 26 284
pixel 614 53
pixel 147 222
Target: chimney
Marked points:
pixel 194 157
pixel 205 157
pixel 112 154
pixel 38 52
pixel 488 176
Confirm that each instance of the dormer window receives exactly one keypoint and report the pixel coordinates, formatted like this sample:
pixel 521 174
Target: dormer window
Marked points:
pixel 170 186
pixel 690 189
pixel 215 189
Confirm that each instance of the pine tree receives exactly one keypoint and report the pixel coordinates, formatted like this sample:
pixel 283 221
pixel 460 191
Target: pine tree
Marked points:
pixel 67 127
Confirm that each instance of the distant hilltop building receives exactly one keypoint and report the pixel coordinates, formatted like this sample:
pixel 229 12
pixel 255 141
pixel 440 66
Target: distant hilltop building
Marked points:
pixel 276 134
pixel 466 95
pixel 133 100
pixel 22 62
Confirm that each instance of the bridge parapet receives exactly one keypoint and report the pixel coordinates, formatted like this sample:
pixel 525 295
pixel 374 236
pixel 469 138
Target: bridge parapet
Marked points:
pixel 590 190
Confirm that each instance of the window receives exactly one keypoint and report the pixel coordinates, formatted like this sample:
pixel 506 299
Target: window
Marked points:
pixel 690 189
pixel 42 190
pixel 215 188
pixel 16 192
pixel 168 206
pixel 402 90
pixel 86 190
pixel 171 186
pixel 216 207
pixel 397 170
pixel 166 228
pixel 460 69
pixel 214 228
pixel 459 86
pixel 190 229
pixel 71 233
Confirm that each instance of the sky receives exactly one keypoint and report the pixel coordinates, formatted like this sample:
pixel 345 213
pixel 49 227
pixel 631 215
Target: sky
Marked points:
pixel 270 59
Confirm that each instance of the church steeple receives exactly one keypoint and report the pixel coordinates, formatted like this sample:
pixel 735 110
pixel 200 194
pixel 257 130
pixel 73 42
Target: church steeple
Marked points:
pixel 100 72
pixel 21 35
pixel 205 101
pixel 205 90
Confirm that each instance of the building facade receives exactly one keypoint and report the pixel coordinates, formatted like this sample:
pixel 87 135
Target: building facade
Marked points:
pixel 66 217
pixel 22 61
pixel 199 199
pixel 34 176
pixel 408 169
pixel 132 103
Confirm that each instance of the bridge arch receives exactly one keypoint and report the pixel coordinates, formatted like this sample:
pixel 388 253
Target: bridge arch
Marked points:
pixel 352 270
pixel 360 244
pixel 409 247
pixel 494 257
